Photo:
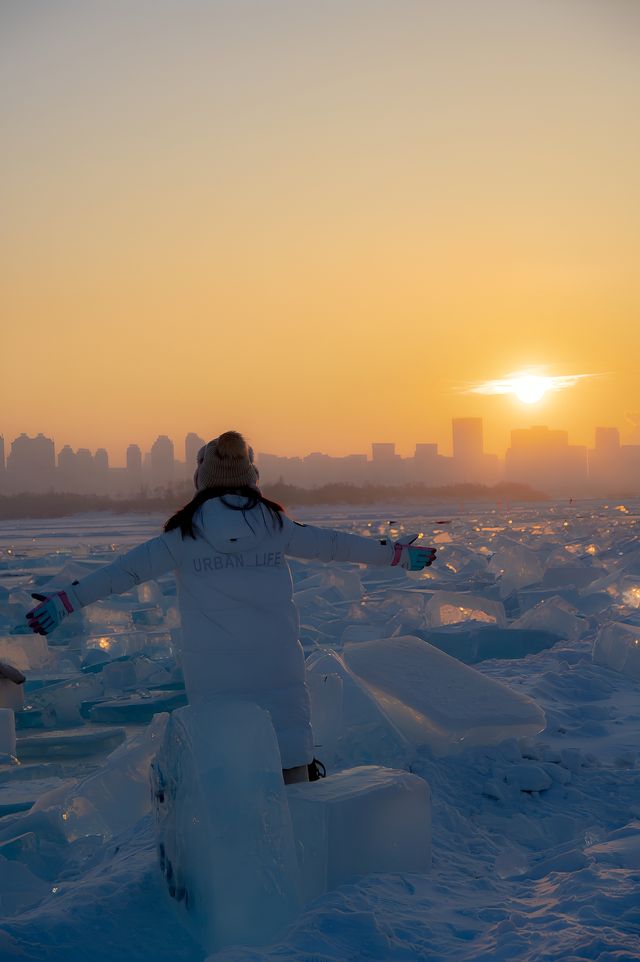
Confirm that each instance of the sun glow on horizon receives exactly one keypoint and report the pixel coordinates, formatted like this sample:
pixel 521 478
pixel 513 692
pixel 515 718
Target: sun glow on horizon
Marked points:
pixel 528 387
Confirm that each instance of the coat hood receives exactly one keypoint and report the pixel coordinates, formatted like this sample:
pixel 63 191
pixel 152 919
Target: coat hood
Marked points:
pixel 230 531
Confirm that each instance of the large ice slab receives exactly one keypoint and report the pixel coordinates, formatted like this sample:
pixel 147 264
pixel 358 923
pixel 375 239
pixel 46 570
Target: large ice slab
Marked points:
pixel 357 822
pixel 349 726
pixel 617 646
pixel 434 699
pixel 225 839
pixel 454 607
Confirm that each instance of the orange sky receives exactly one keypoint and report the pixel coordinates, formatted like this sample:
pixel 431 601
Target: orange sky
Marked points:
pixel 316 223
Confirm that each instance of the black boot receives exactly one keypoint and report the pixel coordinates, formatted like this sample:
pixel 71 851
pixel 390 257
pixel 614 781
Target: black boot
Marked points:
pixel 316 770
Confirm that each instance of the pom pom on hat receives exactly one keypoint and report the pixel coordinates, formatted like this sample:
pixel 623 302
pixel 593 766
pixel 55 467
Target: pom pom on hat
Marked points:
pixel 226 462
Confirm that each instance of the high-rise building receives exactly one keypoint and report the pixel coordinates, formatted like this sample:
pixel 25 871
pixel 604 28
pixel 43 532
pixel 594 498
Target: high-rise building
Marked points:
pixel 85 471
pixel 425 452
pixel 386 466
pixel 538 440
pixel 133 470
pixel 101 460
pixel 630 469
pixel 607 440
pixel 427 466
pixel 468 449
pixel 101 471
pixel 383 451
pixel 605 461
pixel 1 453
pixel 134 459
pixel 31 464
pixel 84 460
pixel 66 474
pixel 544 458
pixel 192 444
pixel 161 461
pixel 467 439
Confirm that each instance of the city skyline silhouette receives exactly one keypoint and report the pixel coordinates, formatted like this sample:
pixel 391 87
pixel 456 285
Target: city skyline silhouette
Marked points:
pixel 539 456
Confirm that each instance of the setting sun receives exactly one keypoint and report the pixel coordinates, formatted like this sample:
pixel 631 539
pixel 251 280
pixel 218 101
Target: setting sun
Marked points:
pixel 530 388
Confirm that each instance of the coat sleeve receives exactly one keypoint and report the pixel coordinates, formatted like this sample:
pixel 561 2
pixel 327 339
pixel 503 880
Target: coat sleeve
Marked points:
pixel 327 544
pixel 149 560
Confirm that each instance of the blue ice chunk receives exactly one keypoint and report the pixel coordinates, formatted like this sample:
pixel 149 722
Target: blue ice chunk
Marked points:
pixel 223 827
pixel 28 718
pixel 456 607
pixel 617 646
pixel 150 615
pixel 359 821
pixel 20 795
pixel 137 709
pixel 20 847
pixel 554 615
pixel 70 743
pixel 12 808
pixel 354 633
pixel 529 597
pixel 482 642
pixel 570 576
pixel 63 700
pixel 92 667
pixel 112 798
pixel 595 603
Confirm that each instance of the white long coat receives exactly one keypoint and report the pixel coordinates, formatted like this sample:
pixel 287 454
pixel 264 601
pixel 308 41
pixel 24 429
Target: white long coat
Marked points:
pixel 239 621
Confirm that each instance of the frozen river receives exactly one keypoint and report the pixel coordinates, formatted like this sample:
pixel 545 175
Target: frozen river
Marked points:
pixel 536 837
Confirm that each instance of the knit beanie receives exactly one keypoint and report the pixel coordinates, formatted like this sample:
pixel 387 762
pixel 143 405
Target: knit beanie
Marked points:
pixel 226 462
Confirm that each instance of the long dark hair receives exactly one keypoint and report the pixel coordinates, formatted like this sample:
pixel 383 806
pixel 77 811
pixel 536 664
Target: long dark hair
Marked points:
pixel 183 518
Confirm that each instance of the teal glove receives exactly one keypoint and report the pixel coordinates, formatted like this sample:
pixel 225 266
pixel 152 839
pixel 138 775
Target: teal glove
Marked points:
pixel 45 617
pixel 412 557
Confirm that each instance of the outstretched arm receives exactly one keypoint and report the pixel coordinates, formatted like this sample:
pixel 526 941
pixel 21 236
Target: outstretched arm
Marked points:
pixel 327 544
pixel 149 560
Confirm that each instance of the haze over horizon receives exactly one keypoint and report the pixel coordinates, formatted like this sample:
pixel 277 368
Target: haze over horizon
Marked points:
pixel 318 225
pixel 630 436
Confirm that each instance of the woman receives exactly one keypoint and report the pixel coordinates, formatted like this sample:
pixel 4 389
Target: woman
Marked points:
pixel 228 548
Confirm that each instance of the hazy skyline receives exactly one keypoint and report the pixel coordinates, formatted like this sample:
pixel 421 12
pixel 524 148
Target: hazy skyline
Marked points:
pixel 628 436
pixel 317 223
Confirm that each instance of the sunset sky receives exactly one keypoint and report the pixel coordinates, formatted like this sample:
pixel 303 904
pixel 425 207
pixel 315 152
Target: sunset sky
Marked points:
pixel 320 223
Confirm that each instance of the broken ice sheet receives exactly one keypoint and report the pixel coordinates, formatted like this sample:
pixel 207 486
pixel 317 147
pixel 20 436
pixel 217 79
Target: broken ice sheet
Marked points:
pixel 450 608
pixel 554 615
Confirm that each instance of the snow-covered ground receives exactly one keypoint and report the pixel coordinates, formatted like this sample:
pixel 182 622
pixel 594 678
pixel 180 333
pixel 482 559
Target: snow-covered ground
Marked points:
pixel 536 839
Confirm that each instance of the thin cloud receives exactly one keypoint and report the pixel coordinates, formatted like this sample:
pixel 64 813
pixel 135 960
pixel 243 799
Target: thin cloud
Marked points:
pixel 511 383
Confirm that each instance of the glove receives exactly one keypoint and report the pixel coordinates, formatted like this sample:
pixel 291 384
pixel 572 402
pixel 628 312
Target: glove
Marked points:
pixel 54 608
pixel 412 558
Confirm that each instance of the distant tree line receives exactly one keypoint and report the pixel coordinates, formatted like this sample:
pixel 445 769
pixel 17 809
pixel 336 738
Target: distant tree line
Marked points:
pixel 60 505
pixel 344 493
